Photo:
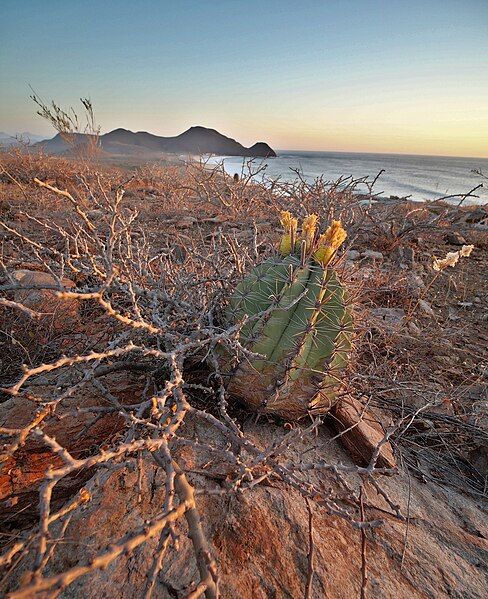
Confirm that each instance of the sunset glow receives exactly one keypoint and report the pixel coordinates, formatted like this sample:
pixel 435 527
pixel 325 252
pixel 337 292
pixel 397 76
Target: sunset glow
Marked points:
pixel 414 80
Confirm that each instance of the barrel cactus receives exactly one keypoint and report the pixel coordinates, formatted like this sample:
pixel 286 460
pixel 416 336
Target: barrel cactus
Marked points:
pixel 298 321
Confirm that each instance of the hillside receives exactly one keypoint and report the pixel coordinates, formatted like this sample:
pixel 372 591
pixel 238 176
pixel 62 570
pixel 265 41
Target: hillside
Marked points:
pixel 196 140
pixel 130 468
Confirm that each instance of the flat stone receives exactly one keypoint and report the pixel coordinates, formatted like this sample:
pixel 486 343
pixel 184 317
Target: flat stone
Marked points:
pixel 388 318
pixel 372 255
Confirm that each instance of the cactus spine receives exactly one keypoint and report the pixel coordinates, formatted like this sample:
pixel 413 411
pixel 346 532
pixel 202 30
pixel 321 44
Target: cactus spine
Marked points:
pixel 298 321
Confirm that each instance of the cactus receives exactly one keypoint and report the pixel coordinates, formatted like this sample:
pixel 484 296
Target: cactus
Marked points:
pixel 298 320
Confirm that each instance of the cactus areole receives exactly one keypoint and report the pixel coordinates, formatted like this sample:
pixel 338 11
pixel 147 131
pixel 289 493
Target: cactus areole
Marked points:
pixel 298 321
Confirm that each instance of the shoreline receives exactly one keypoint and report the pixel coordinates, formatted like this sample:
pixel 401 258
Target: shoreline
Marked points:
pixel 417 179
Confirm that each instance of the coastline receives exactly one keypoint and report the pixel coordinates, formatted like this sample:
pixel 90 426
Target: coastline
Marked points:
pixel 416 178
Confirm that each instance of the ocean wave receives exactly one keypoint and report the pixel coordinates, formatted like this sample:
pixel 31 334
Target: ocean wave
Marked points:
pixel 420 177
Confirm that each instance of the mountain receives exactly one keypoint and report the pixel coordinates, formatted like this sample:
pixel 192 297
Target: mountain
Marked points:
pixel 10 140
pixel 196 140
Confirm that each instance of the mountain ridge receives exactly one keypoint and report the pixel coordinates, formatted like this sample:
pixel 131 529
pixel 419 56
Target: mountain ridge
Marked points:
pixel 195 140
pixel 7 139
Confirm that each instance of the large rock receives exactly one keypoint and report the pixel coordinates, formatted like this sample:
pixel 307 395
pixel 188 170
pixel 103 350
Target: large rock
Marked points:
pixel 260 538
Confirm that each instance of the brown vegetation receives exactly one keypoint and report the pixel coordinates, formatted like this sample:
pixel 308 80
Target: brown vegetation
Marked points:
pixel 121 449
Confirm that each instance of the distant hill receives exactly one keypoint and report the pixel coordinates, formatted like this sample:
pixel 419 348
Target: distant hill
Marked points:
pixel 10 140
pixel 197 140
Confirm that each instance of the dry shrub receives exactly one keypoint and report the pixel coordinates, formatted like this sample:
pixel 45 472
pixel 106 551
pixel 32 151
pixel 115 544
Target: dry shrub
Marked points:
pixel 24 164
pixel 153 275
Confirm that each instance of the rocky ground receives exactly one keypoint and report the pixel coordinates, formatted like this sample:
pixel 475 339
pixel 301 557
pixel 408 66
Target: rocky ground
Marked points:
pixel 293 524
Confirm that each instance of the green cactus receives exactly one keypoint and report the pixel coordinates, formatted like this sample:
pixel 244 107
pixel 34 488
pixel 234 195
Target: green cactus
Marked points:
pixel 298 320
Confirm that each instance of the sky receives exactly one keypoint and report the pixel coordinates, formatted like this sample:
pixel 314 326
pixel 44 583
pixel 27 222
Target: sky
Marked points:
pixel 341 75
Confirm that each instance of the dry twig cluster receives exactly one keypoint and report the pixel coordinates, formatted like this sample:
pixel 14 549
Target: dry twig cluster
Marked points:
pixel 147 294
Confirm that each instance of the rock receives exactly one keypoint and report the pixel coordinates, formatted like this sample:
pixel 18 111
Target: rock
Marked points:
pixel 260 537
pixel 454 238
pixel 414 329
pixel 478 215
pixel 426 308
pixel 415 285
pixel 404 256
pixel 20 475
pixel 352 255
pixel 371 255
pixel 361 433
pixel 45 301
pixel 388 318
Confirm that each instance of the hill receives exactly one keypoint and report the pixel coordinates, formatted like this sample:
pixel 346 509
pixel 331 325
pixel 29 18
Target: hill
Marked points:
pixel 11 140
pixel 196 140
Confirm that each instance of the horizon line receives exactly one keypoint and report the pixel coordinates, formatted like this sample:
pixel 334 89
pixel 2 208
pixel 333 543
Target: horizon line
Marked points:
pixel 285 150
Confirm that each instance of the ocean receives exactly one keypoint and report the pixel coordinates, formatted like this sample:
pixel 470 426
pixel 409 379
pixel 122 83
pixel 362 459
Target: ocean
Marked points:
pixel 420 177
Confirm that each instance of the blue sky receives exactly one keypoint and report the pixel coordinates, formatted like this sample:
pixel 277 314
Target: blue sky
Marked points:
pixel 353 75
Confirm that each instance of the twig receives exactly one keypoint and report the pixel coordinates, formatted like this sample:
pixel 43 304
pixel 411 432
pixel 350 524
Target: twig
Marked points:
pixel 310 557
pixel 364 570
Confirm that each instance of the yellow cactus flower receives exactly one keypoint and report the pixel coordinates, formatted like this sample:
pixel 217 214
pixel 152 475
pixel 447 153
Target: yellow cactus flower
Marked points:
pixel 329 242
pixel 309 226
pixel 290 225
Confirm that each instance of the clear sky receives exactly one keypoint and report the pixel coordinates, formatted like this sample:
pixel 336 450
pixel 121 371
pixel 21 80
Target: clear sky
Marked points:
pixel 408 76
